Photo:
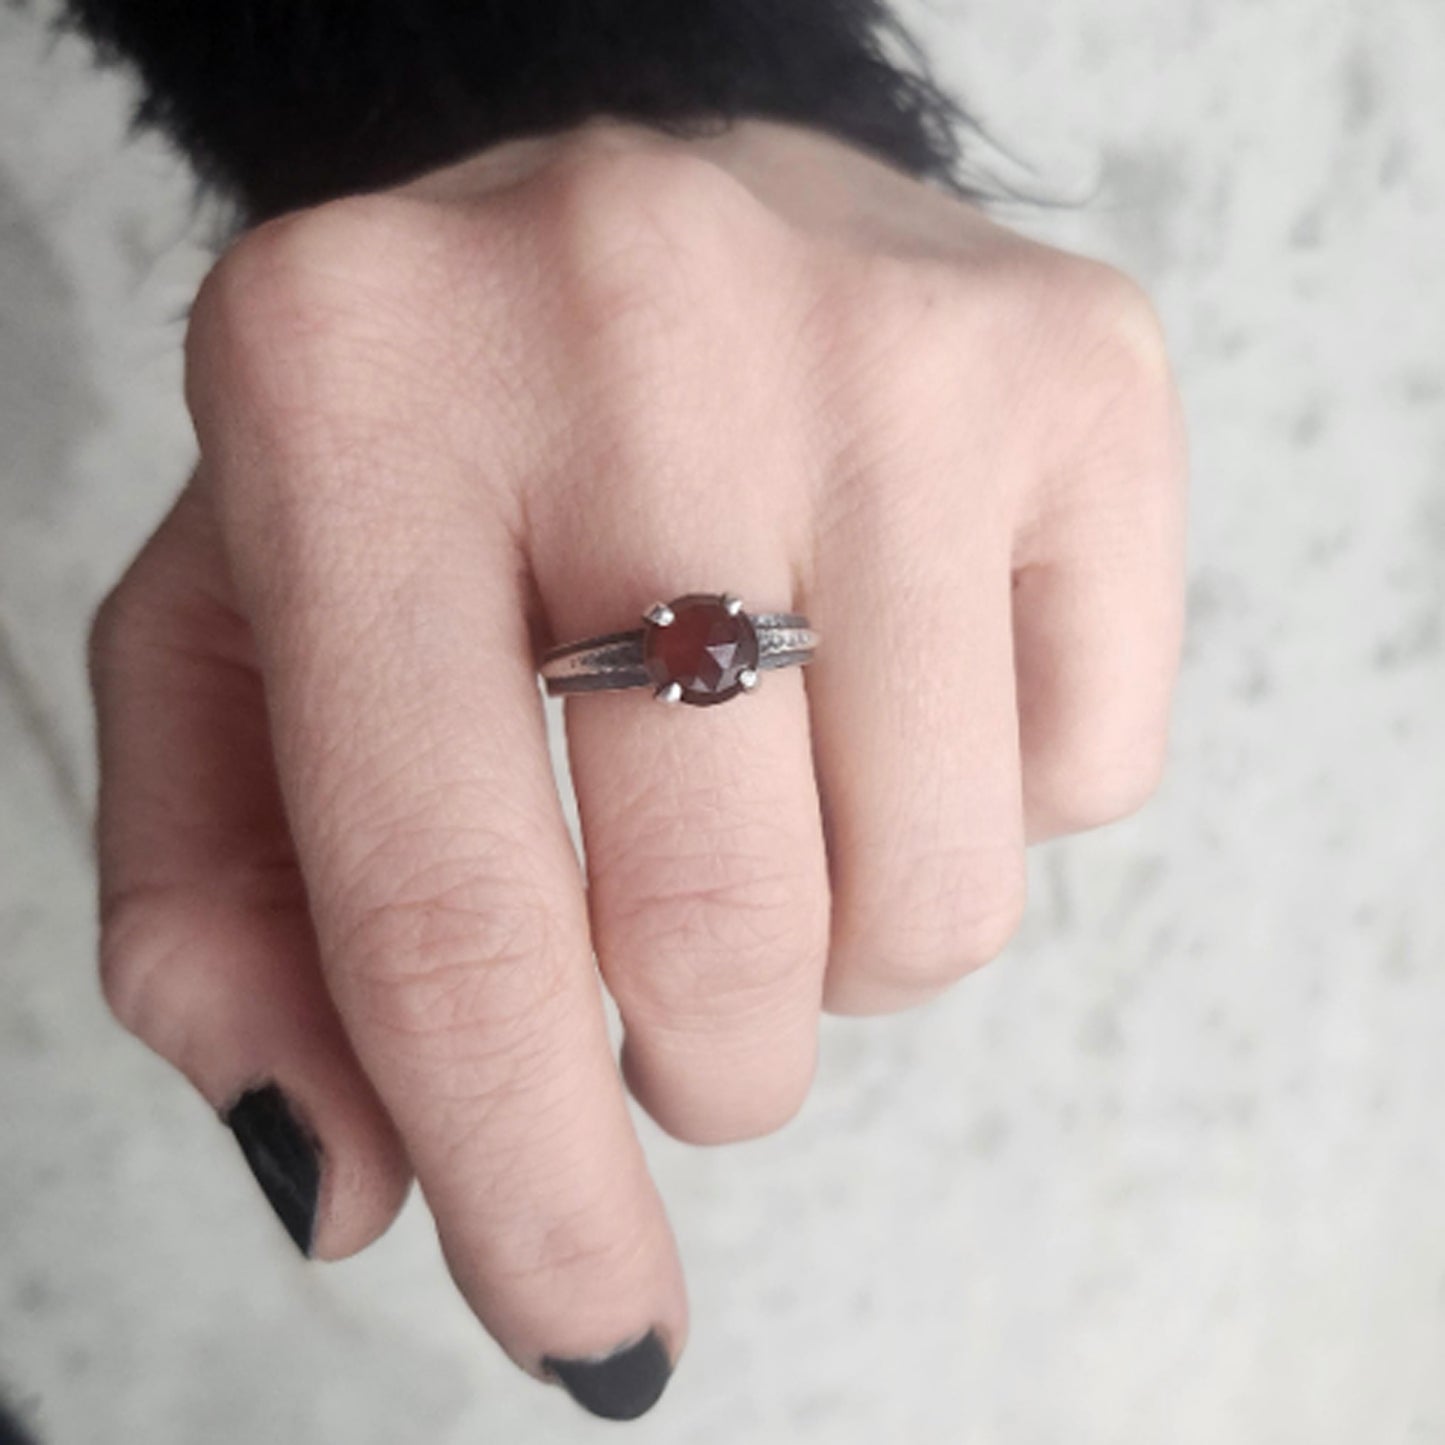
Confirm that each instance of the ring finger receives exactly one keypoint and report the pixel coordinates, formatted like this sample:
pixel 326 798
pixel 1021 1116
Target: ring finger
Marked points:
pixel 707 880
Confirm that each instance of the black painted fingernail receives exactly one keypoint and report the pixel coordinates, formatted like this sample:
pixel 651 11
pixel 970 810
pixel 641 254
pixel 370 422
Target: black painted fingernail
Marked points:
pixel 285 1159
pixel 620 1386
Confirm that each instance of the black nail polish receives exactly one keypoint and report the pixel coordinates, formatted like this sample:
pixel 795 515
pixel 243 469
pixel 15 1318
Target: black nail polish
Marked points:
pixel 285 1159
pixel 620 1386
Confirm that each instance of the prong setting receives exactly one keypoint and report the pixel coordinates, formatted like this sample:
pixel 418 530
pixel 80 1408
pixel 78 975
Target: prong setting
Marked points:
pixel 696 647
pixel 710 650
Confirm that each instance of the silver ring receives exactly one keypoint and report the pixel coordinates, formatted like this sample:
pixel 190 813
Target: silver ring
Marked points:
pixel 701 649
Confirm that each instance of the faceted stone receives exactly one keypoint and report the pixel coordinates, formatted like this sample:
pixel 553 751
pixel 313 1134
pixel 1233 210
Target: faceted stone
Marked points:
pixel 704 650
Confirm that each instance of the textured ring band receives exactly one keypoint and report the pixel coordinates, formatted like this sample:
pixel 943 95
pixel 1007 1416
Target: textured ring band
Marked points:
pixel 700 649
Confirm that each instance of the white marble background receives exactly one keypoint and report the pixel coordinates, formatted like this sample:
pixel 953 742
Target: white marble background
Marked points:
pixel 1173 1170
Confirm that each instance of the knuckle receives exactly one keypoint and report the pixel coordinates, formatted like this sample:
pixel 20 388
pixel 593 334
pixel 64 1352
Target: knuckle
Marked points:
pixel 574 1244
pixel 137 950
pixel 1114 423
pixel 589 1238
pixel 450 950
pixel 110 631
pixel 167 594
pixel 739 920
pixel 722 903
pixel 741 1119
pixel 169 950
pixel 314 334
pixel 951 912
pixel 634 229
pixel 310 267
pixel 985 929
pixel 321 288
pixel 748 1102
pixel 1092 793
pixel 623 191
pixel 131 619
pixel 1123 351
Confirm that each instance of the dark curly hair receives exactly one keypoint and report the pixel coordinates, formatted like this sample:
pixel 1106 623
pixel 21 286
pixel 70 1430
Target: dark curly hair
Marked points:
pixel 281 103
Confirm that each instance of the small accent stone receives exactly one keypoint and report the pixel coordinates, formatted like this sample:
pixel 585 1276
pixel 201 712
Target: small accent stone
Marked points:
pixel 705 649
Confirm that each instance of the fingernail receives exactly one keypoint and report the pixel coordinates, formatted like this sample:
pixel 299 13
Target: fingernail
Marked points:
pixel 619 1386
pixel 285 1159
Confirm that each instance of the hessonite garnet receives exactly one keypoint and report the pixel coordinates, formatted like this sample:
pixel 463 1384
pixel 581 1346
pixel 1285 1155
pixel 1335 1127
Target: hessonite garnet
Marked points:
pixel 704 649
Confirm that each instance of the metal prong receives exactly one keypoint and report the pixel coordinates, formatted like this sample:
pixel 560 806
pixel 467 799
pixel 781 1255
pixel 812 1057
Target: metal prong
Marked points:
pixel 660 615
pixel 670 693
pixel 748 679
pixel 732 605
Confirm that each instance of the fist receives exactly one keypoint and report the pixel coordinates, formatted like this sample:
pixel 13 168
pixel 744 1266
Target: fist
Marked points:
pixel 510 405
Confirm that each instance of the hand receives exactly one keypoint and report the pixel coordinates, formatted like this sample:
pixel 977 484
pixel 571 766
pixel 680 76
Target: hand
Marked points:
pixel 514 403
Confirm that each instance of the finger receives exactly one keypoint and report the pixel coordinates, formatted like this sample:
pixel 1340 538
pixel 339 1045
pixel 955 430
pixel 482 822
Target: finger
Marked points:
pixel 1098 615
pixel 707 876
pixel 446 894
pixel 206 946
pixel 706 869
pixel 916 739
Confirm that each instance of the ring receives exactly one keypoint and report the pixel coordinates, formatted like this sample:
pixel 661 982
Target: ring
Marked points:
pixel 700 649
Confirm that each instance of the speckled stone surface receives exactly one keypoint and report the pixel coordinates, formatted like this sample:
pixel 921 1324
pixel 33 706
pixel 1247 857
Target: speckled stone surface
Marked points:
pixel 1173 1169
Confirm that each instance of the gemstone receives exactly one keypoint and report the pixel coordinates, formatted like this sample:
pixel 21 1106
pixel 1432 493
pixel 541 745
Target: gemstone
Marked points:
pixel 705 649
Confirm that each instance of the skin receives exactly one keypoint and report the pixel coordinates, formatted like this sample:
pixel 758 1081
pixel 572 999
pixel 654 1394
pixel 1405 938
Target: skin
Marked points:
pixel 513 403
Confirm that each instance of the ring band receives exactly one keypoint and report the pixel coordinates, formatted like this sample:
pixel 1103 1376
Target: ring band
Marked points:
pixel 703 648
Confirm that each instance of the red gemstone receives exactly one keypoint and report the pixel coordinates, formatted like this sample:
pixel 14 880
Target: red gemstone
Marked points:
pixel 705 649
